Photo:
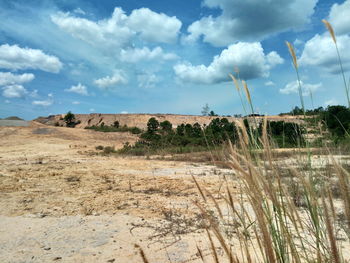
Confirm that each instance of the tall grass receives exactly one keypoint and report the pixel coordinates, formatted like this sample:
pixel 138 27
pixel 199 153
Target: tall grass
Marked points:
pixel 301 225
pixel 282 211
pixel 272 226
pixel 331 32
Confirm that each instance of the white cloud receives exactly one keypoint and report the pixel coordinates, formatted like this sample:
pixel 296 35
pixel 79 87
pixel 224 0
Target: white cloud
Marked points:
pixel 79 11
pixel 119 29
pixel 154 27
pixel 75 102
pixel 274 59
pixel 118 78
pixel 14 58
pixel 339 17
pixel 79 89
pixel 124 112
pixel 331 102
pixel 92 110
pixel 320 51
pixel 34 93
pixel 250 20
pixel 298 42
pixel 43 103
pixel 269 83
pixel 147 81
pixel 14 91
pixel 105 33
pixel 248 57
pixel 293 87
pixel 8 78
pixel 137 54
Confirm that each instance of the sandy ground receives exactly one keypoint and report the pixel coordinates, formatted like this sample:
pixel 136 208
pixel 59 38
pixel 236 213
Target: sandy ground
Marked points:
pixel 60 202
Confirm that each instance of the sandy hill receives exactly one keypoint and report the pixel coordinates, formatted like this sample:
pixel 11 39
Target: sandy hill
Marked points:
pixel 13 118
pixel 140 120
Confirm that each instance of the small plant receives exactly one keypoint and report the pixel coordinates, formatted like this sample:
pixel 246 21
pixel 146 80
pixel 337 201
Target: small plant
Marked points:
pixel 108 150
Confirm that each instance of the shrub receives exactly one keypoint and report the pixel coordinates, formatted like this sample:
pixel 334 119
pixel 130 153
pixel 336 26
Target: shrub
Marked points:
pixel 152 125
pixel 69 118
pixel 337 120
pixel 108 150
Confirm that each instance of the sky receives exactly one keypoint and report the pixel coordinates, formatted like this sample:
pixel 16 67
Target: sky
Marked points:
pixel 168 56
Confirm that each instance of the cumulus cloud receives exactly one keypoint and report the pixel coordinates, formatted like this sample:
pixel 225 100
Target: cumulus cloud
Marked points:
pixel 44 103
pixel 320 51
pixel 249 20
pixel 248 57
pixel 269 83
pixel 14 91
pixel 339 17
pixel 8 78
pixel 110 32
pixel 154 27
pixel 118 78
pixel 118 30
pixel 79 11
pixel 76 102
pixel 293 87
pixel 139 54
pixel 147 81
pixel 15 58
pixel 79 89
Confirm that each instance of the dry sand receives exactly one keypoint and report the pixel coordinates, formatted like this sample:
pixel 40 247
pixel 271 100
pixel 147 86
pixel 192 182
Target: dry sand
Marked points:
pixel 60 202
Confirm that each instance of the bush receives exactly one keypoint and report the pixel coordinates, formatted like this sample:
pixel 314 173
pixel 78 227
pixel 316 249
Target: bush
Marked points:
pixel 69 118
pixel 104 128
pixel 337 120
pixel 108 150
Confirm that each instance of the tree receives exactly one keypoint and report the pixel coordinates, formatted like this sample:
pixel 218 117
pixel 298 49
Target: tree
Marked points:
pixel 337 119
pixel 69 118
pixel 180 130
pixel 152 125
pixel 205 110
pixel 212 113
pixel 166 126
pixel 116 124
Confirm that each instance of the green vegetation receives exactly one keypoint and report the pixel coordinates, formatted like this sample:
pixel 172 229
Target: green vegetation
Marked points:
pixel 337 120
pixel 160 137
pixel 285 134
pixel 298 111
pixel 114 128
pixel 69 119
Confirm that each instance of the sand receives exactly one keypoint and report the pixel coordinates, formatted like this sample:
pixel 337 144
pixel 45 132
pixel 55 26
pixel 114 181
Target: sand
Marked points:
pixel 61 202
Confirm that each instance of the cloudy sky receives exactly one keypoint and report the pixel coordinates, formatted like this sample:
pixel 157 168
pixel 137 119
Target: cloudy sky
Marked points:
pixel 169 56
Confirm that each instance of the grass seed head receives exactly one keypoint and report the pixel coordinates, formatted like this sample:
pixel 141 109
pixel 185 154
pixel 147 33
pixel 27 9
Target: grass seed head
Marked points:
pixel 330 29
pixel 292 53
pixel 247 91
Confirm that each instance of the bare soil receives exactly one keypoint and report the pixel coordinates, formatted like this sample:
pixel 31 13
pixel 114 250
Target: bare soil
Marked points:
pixel 61 202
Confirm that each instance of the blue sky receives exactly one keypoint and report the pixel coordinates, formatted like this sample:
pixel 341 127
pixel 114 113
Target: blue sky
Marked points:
pixel 128 56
